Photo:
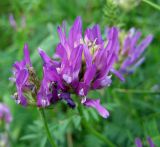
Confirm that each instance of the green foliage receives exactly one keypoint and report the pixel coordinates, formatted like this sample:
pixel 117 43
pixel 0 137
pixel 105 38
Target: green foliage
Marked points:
pixel 111 13
pixel 131 114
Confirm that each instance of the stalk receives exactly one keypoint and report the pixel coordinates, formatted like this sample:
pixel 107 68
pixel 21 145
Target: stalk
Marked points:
pixel 52 142
pixel 152 4
pixel 133 91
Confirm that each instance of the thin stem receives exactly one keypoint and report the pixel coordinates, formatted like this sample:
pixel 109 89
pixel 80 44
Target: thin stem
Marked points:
pixel 136 91
pixel 93 131
pixel 47 128
pixel 152 4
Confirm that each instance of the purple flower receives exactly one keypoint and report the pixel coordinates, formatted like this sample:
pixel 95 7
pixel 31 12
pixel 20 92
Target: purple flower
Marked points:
pixel 150 142
pixel 52 87
pixel 80 64
pixel 12 21
pixel 96 104
pixel 85 63
pixel 5 113
pixel 14 24
pixel 21 76
pixel 139 143
pixel 132 51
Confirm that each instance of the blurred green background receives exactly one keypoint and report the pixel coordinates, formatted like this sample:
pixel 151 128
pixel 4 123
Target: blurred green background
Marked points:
pixel 132 113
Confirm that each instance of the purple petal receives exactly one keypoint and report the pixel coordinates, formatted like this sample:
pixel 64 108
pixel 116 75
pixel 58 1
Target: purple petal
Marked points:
pixel 26 55
pixel 23 100
pixel 67 78
pixel 150 142
pixel 93 35
pixel 96 104
pixel 129 67
pixel 61 52
pixel 75 33
pixel 8 117
pixel 67 98
pixel 45 94
pixel 118 74
pixel 12 21
pixel 71 68
pixel 88 56
pixel 5 113
pixel 22 77
pixel 46 59
pixel 138 142
pixel 62 35
pixel 137 64
pixel 107 56
pixel 76 60
pixel 125 64
pixel 42 102
pixel 13 79
pixel 89 74
pixel 97 34
pixel 126 45
pixel 19 65
pixel 52 75
pixel 142 46
pixel 102 82
pixel 107 67
pixel 134 40
pixel 42 97
pixel 113 36
pixel 82 89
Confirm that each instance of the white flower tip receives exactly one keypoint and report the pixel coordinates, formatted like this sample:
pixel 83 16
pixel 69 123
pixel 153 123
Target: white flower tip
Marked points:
pixel 83 100
pixel 18 101
pixel 44 102
pixel 67 78
pixel 81 92
pixel 40 50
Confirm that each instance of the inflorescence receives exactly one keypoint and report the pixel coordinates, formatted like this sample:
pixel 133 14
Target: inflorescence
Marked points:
pixel 80 64
pixel 5 114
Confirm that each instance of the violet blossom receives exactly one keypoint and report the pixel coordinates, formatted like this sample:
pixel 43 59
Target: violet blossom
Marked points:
pixel 24 78
pixel 80 64
pixel 138 142
pixel 14 24
pixel 5 114
pixel 52 87
pixel 130 55
pixel 12 21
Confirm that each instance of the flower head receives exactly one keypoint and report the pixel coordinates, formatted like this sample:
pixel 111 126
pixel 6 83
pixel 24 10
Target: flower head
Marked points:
pixel 83 64
pixel 12 21
pixel 139 143
pixel 52 87
pixel 131 51
pixel 80 64
pixel 5 113
pixel 23 77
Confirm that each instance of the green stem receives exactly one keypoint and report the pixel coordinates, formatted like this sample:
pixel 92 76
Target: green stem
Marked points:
pixel 46 128
pixel 152 4
pixel 136 91
pixel 93 131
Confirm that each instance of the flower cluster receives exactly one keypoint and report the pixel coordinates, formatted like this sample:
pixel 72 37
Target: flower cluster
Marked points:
pixel 80 64
pixel 130 54
pixel 14 24
pixel 5 114
pixel 139 143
